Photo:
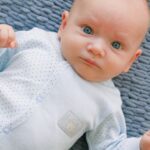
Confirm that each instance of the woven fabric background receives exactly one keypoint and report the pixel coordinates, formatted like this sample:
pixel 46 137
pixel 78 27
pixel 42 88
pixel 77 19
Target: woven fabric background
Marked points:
pixel 134 86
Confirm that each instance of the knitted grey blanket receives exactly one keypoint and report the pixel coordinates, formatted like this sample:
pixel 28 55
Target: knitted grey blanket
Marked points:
pixel 134 86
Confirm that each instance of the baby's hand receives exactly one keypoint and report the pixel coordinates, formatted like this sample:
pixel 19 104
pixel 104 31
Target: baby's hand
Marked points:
pixel 145 141
pixel 7 36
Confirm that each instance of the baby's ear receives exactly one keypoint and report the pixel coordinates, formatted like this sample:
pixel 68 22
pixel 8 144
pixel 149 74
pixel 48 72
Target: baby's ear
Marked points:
pixel 136 55
pixel 63 24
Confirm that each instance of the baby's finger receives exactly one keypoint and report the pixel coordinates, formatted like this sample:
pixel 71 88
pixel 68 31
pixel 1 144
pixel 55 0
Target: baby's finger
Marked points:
pixel 11 38
pixel 3 38
pixel 148 133
pixel 13 44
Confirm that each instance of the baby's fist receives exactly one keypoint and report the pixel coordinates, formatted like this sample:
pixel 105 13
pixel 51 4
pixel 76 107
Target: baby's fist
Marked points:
pixel 145 141
pixel 7 36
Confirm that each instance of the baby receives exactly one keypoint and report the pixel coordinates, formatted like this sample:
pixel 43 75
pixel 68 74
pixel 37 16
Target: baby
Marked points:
pixel 56 87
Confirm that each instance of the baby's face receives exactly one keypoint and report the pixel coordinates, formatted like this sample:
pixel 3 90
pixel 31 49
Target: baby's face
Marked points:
pixel 100 38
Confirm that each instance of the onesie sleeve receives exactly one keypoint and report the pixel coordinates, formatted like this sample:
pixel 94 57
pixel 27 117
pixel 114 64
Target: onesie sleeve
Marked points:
pixel 5 55
pixel 26 74
pixel 111 135
pixel 26 40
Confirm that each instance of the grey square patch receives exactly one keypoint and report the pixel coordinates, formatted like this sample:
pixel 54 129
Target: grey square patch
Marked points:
pixel 70 124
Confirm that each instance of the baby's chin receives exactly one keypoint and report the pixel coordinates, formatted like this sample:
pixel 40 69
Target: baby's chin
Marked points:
pixel 90 77
pixel 87 73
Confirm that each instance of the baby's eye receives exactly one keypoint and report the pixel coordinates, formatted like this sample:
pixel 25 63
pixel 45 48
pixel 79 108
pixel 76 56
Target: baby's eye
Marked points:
pixel 87 30
pixel 116 45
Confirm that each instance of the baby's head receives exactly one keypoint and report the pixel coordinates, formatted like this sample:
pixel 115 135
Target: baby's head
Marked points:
pixel 101 38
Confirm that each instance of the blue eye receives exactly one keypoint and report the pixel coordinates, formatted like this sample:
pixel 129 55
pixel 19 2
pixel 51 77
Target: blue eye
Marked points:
pixel 116 45
pixel 87 30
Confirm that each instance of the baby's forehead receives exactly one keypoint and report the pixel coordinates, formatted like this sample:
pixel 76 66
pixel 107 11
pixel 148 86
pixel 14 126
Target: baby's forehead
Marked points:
pixel 83 4
pixel 136 9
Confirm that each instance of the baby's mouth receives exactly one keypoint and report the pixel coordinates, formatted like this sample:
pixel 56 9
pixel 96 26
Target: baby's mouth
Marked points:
pixel 90 62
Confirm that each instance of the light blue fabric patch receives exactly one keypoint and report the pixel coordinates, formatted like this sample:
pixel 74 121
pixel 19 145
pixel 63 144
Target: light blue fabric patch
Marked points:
pixel 70 124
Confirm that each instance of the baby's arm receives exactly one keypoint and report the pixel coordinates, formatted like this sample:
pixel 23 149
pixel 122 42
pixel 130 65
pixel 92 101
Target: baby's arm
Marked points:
pixel 145 141
pixel 7 36
pixel 110 134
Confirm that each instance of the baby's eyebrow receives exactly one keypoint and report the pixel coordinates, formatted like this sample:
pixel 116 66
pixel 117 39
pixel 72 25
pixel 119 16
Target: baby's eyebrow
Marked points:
pixel 122 36
pixel 91 19
pixel 95 20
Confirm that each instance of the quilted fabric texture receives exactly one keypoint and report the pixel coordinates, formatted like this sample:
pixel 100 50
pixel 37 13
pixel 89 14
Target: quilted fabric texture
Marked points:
pixel 134 86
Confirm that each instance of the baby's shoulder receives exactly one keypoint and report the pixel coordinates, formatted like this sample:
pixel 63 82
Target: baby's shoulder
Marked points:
pixel 34 38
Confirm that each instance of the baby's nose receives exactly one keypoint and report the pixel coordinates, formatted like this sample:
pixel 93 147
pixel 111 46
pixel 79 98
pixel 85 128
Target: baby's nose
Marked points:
pixel 97 49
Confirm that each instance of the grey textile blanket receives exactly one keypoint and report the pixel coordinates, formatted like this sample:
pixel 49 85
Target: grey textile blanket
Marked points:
pixel 134 86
